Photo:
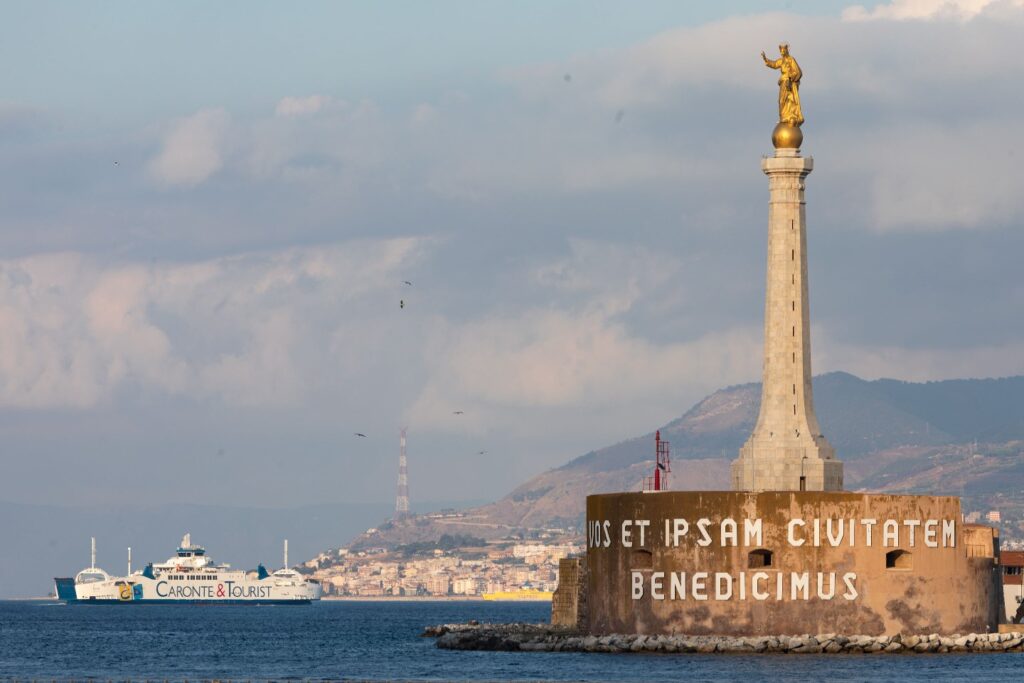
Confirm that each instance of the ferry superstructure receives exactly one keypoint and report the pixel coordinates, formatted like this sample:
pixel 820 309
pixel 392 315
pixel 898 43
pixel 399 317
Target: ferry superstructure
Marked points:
pixel 190 576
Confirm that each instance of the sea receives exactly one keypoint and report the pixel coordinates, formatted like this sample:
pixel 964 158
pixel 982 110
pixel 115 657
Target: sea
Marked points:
pixel 377 641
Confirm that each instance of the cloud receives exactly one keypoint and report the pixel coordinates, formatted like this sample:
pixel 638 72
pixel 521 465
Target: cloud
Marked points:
pixel 192 149
pixel 578 354
pixel 917 364
pixel 903 10
pixel 587 257
pixel 690 131
pixel 301 106
pixel 247 330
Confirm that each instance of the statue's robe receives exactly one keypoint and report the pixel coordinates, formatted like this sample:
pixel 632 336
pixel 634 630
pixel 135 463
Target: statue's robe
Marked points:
pixel 789 89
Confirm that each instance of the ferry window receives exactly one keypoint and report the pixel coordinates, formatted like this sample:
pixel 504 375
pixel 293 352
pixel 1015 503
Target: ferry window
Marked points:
pixel 899 559
pixel 1012 571
pixel 757 559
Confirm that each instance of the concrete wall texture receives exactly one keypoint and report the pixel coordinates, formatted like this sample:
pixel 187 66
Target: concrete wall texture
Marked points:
pixel 569 603
pixel 744 563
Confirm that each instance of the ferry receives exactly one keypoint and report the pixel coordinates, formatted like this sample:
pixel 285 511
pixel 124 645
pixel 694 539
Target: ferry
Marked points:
pixel 190 576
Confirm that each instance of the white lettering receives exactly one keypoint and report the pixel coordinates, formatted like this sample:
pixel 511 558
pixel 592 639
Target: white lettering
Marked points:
pixel 849 579
pixel 627 534
pixel 680 527
pixel 638 585
pixel 657 589
pixel 831 585
pixel 677 585
pixel 912 524
pixel 723 593
pixel 797 583
pixel 890 532
pixel 758 593
pixel 702 526
pixel 931 531
pixel 791 526
pixel 729 532
pixel 948 533
pixel 752 534
pixel 833 539
pixel 868 525
pixel 699 579
pixel 643 524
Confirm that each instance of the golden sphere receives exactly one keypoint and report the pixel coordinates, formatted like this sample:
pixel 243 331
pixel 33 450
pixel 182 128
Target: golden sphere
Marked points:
pixel 787 136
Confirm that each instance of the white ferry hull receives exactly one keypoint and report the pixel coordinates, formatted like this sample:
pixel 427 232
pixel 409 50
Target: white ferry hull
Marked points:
pixel 189 577
pixel 141 590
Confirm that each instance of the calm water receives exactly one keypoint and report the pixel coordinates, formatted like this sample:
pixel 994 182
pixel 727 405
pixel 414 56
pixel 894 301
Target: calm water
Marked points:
pixel 339 640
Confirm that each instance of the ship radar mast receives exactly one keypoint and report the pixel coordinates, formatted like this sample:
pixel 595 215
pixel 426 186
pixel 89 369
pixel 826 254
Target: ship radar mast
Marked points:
pixel 286 553
pixel 92 554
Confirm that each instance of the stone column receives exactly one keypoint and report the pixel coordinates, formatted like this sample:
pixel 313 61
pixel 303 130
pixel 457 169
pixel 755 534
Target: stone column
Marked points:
pixel 786 450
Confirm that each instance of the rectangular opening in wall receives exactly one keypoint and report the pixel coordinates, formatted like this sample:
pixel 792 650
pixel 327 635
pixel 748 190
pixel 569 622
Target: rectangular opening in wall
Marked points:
pixel 641 559
pixel 758 559
pixel 899 559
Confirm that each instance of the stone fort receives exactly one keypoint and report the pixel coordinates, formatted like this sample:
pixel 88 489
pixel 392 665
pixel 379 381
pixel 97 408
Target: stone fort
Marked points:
pixel 787 551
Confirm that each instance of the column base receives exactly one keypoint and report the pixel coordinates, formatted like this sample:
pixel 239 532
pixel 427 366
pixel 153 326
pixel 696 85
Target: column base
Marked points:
pixel 810 467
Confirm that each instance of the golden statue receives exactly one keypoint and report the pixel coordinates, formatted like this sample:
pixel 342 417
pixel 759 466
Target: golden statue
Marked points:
pixel 787 133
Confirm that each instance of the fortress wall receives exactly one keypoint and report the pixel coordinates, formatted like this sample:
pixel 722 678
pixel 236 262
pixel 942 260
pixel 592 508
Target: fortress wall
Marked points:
pixel 827 555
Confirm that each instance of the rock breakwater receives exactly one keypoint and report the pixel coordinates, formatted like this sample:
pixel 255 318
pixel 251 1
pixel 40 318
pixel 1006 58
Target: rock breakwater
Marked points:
pixel 545 638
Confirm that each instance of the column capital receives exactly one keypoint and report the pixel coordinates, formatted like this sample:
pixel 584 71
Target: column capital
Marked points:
pixel 786 164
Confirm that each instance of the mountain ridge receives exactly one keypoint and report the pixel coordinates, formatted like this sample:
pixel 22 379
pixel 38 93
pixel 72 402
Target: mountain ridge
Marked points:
pixel 957 436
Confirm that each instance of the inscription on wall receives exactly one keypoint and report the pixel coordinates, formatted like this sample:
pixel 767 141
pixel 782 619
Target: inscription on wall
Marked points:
pixel 645 535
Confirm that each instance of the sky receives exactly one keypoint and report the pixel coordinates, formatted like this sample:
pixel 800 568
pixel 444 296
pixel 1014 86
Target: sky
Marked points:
pixel 210 210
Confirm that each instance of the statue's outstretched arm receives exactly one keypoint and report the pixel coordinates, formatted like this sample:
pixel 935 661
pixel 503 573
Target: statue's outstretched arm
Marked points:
pixel 772 63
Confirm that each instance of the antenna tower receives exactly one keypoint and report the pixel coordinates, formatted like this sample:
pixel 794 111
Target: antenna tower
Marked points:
pixel 662 466
pixel 402 500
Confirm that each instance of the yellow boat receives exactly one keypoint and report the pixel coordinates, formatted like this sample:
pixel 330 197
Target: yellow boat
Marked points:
pixel 521 594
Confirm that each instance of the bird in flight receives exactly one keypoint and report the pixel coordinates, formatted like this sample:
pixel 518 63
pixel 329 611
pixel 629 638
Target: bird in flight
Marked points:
pixel 458 412
pixel 401 303
pixel 406 282
pixel 360 434
pixel 482 453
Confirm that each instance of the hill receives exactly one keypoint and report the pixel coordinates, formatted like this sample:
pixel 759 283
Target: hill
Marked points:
pixel 962 437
